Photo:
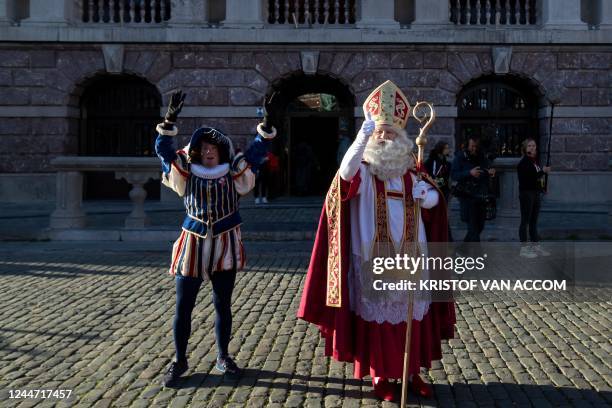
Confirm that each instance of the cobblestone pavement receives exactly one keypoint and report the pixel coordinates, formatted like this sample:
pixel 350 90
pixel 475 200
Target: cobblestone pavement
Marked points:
pixel 97 320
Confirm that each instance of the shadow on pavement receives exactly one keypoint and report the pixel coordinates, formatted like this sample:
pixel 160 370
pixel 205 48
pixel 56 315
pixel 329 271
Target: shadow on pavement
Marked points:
pixel 493 393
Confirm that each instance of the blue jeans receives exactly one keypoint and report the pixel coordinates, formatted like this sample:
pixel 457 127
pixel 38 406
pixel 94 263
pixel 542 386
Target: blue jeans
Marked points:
pixel 186 293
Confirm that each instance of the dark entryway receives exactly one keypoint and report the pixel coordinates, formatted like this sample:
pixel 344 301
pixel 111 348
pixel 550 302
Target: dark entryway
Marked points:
pixel 312 112
pixel 313 154
pixel 501 110
pixel 118 118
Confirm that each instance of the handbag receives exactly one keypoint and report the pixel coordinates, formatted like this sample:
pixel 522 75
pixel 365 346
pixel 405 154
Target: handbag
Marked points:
pixel 468 189
pixel 459 190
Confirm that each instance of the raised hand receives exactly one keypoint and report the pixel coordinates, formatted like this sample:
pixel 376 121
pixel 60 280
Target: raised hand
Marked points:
pixel 174 106
pixel 267 122
pixel 368 125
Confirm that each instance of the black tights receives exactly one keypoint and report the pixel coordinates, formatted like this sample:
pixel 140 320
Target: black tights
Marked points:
pixel 530 209
pixel 186 294
pixel 261 182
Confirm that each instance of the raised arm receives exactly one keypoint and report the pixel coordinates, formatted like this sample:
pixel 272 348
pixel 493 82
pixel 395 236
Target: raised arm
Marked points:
pixel 352 158
pixel 164 145
pixel 174 167
pixel 245 166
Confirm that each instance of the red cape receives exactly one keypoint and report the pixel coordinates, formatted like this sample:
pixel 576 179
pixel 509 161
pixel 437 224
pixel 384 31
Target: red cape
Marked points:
pixel 375 349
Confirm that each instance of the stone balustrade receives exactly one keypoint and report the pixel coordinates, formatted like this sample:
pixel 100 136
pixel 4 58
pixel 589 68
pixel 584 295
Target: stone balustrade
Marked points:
pixel 309 13
pixel 321 14
pixel 124 11
pixel 494 12
pixel 136 171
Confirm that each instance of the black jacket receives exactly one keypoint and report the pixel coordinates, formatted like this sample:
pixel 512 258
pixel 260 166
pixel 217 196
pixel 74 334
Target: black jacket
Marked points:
pixel 528 176
pixel 460 172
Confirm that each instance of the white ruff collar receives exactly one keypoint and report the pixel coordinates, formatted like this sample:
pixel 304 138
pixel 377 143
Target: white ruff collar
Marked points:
pixel 219 170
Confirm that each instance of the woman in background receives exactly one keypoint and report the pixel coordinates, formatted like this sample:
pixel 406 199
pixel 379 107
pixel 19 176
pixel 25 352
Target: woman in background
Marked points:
pixel 531 185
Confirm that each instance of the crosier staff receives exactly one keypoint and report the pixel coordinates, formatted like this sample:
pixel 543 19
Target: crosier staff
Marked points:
pixel 553 102
pixel 426 119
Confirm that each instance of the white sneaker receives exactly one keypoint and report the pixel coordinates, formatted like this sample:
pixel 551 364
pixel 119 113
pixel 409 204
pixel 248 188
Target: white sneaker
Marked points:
pixel 527 252
pixel 264 200
pixel 257 201
pixel 537 248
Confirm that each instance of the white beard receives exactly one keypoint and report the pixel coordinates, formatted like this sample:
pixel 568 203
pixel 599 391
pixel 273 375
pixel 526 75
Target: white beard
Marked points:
pixel 391 158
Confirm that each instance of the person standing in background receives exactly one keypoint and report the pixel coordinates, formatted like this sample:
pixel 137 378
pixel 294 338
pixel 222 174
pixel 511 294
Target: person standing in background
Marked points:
pixel 261 181
pixel 531 185
pixel 471 169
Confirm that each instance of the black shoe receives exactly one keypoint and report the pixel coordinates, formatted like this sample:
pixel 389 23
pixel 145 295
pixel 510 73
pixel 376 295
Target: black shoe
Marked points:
pixel 175 370
pixel 227 366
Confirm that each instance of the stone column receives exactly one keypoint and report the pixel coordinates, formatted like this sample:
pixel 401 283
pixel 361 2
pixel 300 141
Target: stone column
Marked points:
pixel 69 196
pixel 433 13
pixel 605 14
pixel 507 204
pixel 562 14
pixel 193 12
pixel 43 12
pixel 7 12
pixel 377 14
pixel 137 218
pixel 243 14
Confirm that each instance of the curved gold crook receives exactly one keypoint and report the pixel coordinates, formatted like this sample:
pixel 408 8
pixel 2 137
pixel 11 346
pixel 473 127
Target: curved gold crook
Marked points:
pixel 424 118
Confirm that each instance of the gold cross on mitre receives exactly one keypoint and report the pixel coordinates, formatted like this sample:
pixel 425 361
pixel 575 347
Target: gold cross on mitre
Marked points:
pixel 387 105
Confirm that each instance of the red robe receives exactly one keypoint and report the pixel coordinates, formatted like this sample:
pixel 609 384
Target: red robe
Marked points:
pixel 375 349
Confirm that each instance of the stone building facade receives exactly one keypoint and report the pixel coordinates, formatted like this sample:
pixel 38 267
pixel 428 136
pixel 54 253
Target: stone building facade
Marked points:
pixel 228 56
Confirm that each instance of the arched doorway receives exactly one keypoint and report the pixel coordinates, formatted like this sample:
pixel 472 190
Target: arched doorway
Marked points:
pixel 501 110
pixel 118 118
pixel 311 112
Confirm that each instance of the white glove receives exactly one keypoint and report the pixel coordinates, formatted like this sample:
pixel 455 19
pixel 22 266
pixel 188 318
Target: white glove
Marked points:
pixel 419 190
pixel 354 154
pixel 367 127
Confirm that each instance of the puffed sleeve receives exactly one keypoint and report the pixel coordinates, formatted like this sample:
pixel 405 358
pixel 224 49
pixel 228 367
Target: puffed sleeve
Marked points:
pixel 243 176
pixel 175 167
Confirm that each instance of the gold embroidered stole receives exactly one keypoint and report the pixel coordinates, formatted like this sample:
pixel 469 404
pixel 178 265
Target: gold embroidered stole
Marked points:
pixel 383 244
pixel 333 209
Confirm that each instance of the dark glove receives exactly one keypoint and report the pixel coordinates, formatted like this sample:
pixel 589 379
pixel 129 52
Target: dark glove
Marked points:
pixel 175 106
pixel 266 123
